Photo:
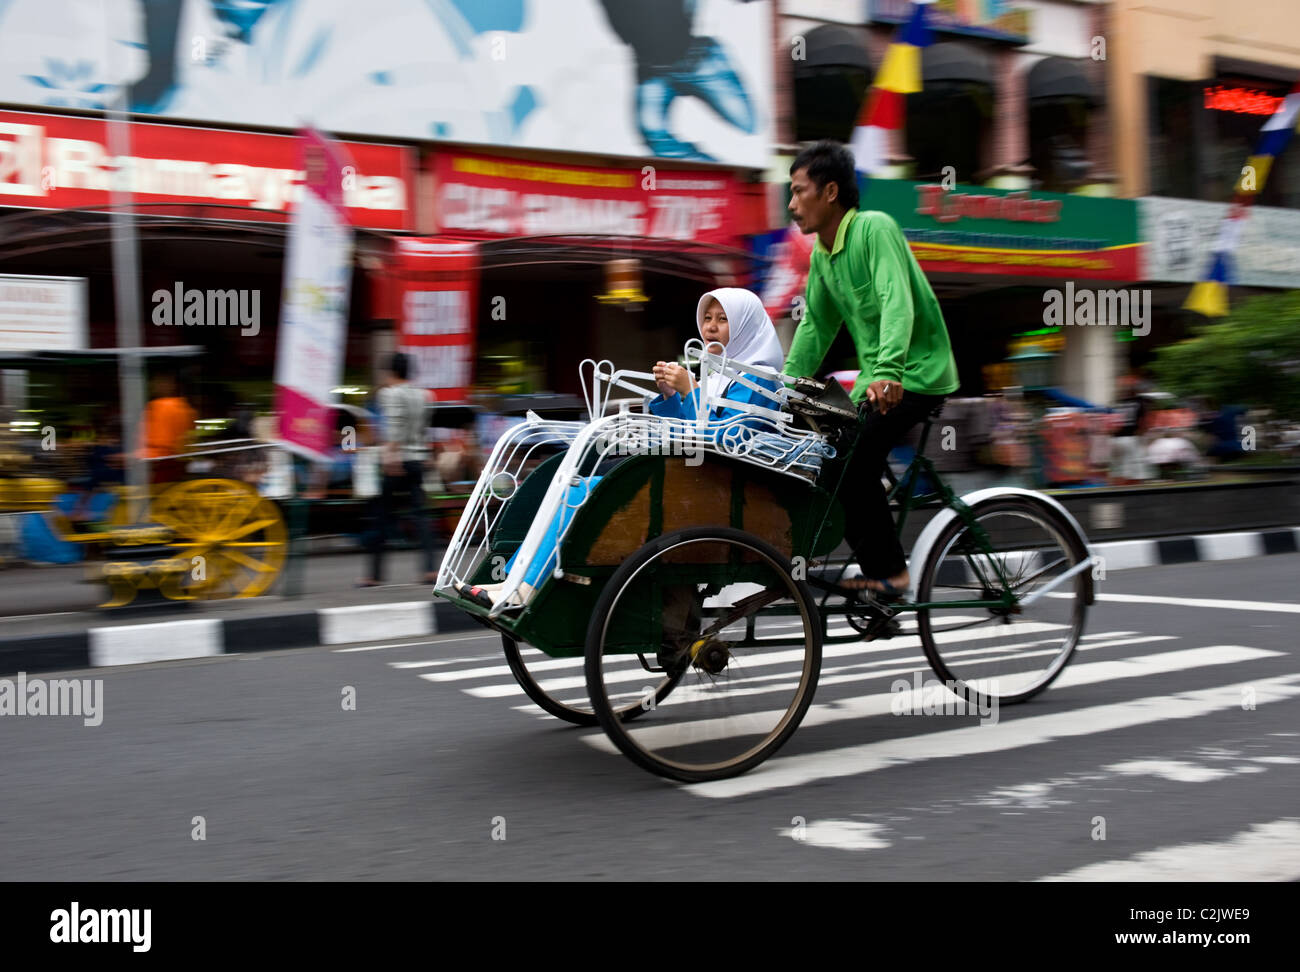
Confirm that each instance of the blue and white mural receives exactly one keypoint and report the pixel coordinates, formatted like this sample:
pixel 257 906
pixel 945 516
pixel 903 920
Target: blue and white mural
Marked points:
pixel 679 79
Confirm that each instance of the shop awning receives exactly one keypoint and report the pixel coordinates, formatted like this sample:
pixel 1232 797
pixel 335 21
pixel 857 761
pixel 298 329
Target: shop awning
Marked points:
pixel 1058 77
pixel 829 46
pixel 955 61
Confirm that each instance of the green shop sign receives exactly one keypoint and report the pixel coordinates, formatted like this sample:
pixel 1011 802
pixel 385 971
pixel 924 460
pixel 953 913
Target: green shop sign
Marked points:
pixel 969 229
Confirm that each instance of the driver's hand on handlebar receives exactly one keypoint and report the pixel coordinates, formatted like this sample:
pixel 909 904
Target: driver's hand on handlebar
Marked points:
pixel 885 394
pixel 672 377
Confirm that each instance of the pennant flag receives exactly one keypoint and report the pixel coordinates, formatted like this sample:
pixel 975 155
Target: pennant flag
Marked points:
pixel 899 75
pixel 1210 295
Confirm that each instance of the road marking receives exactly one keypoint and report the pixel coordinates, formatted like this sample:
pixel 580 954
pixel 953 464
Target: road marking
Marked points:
pixel 883 703
pixel 829 676
pixel 782 772
pixel 1265 852
pixel 1206 602
pixel 897 645
pixel 841 675
pixel 404 644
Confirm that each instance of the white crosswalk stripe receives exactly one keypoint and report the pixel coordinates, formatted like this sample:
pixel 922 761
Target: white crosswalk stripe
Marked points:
pixel 859 682
pixel 1265 852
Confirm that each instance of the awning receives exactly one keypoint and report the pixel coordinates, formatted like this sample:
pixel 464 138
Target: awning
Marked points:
pixel 829 46
pixel 1058 77
pixel 955 61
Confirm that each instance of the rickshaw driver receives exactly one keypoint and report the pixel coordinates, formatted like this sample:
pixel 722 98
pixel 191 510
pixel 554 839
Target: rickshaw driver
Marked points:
pixel 864 276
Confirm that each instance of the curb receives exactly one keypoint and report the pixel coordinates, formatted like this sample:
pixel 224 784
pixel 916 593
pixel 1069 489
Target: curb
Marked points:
pixel 134 644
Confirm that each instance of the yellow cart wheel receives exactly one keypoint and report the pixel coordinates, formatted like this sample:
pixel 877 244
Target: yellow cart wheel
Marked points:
pixel 230 540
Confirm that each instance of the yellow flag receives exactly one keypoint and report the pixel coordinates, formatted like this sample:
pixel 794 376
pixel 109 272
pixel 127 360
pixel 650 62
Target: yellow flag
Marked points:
pixel 901 69
pixel 1209 297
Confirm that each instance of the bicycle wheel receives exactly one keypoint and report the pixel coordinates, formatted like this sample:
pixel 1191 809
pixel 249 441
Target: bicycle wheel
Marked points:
pixel 565 693
pixel 719 609
pixel 1010 652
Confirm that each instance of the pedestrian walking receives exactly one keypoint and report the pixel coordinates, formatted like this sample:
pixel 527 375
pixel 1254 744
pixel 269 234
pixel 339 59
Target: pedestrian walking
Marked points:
pixel 404 450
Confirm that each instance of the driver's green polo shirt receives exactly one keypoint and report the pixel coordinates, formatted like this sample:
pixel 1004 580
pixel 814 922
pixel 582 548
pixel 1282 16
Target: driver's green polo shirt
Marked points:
pixel 870 282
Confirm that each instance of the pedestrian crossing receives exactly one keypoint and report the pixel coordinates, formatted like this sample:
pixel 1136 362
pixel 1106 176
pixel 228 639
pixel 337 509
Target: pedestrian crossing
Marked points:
pixel 1152 679
pixel 855 684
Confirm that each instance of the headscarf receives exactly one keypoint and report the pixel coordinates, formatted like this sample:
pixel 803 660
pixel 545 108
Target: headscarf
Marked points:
pixel 753 337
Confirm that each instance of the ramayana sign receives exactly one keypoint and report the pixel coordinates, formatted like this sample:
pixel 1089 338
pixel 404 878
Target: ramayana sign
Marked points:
pixel 56 162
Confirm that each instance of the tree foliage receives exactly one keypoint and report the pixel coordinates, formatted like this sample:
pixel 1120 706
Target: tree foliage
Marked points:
pixel 1251 357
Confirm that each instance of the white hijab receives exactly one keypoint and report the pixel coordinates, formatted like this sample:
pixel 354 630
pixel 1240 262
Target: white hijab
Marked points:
pixel 753 337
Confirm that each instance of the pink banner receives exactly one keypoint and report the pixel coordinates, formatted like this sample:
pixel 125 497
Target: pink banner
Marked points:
pixel 313 315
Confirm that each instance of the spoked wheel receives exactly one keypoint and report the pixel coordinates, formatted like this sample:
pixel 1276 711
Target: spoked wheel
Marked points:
pixel 1012 651
pixel 720 609
pixel 558 686
pixel 231 540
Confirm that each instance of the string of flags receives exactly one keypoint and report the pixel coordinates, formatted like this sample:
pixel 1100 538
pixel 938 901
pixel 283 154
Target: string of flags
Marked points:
pixel 1210 295
pixel 899 75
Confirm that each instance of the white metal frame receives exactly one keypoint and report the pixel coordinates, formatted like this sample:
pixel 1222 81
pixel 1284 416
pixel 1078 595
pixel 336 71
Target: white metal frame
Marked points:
pixel 759 434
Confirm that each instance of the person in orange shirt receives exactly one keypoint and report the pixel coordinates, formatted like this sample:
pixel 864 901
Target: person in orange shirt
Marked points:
pixel 168 424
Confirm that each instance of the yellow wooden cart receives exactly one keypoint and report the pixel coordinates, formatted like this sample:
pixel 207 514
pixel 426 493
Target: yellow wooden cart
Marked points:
pixel 203 538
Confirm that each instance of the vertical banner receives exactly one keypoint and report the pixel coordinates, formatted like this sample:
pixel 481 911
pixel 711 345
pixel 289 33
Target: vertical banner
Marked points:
pixel 438 295
pixel 313 314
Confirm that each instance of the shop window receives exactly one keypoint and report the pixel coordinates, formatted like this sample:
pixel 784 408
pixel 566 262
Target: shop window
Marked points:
pixel 947 124
pixel 1058 131
pixel 1203 132
pixel 830 84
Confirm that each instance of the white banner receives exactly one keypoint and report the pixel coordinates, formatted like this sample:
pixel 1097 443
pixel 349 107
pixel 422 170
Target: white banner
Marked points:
pixel 42 313
pixel 1180 235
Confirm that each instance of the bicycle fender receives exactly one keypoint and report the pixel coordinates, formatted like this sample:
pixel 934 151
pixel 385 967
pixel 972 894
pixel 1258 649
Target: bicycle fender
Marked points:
pixel 930 533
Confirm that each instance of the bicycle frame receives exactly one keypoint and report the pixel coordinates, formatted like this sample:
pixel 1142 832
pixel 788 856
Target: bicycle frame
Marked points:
pixel 903 491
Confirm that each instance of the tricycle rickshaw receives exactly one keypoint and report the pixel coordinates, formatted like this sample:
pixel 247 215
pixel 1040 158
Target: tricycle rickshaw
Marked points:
pixel 688 562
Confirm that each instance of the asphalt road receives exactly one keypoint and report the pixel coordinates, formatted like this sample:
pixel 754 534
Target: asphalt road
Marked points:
pixel 440 756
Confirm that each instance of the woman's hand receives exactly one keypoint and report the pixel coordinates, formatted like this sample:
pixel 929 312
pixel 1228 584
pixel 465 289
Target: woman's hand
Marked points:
pixel 672 377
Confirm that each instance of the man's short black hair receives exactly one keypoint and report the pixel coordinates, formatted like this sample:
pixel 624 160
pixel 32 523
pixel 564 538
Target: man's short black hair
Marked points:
pixel 830 161
pixel 400 365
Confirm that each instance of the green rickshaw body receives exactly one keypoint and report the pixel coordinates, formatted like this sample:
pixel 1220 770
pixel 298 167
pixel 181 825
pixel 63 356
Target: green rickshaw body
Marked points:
pixel 640 499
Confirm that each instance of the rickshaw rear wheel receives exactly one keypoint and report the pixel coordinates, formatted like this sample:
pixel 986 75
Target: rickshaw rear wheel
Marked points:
pixel 723 608
pixel 578 714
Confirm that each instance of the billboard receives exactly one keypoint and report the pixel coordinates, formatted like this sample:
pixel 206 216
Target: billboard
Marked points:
pixel 508 197
pixel 62 162
pixel 681 79
pixel 42 313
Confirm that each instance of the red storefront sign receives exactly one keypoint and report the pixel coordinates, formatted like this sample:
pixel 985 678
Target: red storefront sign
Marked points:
pixel 57 162
pixel 436 284
pixel 513 197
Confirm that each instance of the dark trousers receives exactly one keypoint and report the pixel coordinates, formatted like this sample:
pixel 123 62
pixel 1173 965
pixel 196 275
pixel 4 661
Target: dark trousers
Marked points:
pixel 868 521
pixel 411 482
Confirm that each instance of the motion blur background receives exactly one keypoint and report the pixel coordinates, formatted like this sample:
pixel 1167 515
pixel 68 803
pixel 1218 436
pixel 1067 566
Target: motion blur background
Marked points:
pixel 606 162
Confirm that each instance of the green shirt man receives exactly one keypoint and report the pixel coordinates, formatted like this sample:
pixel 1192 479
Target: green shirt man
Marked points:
pixel 864 277
pixel 870 282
